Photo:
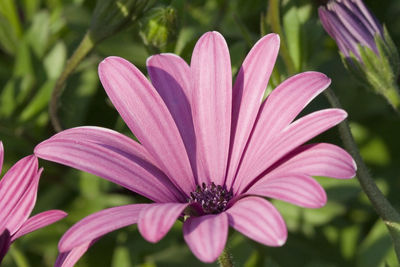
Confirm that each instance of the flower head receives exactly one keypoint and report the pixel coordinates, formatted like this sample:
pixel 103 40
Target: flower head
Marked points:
pixel 209 152
pixel 367 49
pixel 18 189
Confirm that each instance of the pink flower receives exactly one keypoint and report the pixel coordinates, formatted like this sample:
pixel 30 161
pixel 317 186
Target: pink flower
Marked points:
pixel 208 153
pixel 18 190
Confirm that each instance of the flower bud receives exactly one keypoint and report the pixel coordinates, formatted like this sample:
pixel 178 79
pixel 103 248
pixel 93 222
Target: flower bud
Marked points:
pixel 158 28
pixel 365 46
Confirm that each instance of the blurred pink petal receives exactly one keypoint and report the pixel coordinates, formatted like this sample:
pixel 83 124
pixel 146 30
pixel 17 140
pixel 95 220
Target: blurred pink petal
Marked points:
pixel 211 106
pixel 248 91
pixel 206 235
pixel 148 117
pixel 157 219
pixel 39 221
pixel 14 185
pixel 99 224
pixel 23 208
pixel 70 258
pixel 18 190
pixel 258 219
pixel 110 155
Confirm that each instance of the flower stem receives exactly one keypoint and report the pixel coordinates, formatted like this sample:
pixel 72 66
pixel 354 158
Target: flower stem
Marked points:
pixel 225 259
pixel 382 206
pixel 83 49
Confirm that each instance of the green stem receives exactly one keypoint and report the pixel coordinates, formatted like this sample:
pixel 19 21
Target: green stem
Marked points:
pixel 83 49
pixel 275 24
pixel 382 206
pixel 225 259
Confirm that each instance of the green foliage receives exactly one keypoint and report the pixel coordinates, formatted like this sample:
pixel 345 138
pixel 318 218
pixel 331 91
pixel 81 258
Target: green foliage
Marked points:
pixel 36 39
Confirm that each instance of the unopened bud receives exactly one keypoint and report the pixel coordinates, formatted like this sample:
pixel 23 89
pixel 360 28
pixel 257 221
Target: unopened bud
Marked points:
pixel 366 48
pixel 159 28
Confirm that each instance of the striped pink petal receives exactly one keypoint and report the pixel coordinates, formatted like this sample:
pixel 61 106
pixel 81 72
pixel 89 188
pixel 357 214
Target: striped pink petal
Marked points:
pixel 110 155
pixel 259 220
pixel 18 190
pixel 5 241
pixel 206 235
pixel 279 110
pixel 294 188
pixel 148 117
pixel 249 88
pixel 170 76
pixel 211 106
pixel 39 221
pixel 318 160
pixel 290 138
pixel 22 210
pixel 70 258
pixel 98 224
pixel 157 219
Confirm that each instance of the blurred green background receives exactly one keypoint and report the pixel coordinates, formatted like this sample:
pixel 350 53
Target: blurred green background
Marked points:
pixel 38 36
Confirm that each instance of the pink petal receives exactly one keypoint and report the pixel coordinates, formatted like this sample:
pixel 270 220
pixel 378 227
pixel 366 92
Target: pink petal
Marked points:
pixel 281 108
pixel 290 138
pixel 206 235
pixel 1 156
pixel 148 117
pixel 70 258
pixel 110 155
pixel 249 88
pixel 98 224
pixel 18 190
pixel 318 160
pixel 259 220
pixel 5 241
pixel 170 75
pixel 39 221
pixel 22 210
pixel 157 219
pixel 297 189
pixel 211 106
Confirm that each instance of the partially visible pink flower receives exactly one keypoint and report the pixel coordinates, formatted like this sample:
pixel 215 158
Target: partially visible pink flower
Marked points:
pixel 209 153
pixel 18 189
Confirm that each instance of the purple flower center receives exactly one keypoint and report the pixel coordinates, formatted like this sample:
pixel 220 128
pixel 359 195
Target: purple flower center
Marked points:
pixel 212 198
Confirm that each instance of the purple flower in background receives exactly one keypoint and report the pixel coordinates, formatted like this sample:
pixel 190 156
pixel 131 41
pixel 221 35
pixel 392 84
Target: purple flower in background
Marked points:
pixel 18 189
pixel 350 24
pixel 209 152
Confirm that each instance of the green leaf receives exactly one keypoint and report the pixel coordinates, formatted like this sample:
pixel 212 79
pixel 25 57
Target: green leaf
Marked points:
pixel 55 60
pixel 292 28
pixel 8 38
pixel 121 256
pixel 30 7
pixel 377 249
pixel 9 10
pixel 38 33
pixel 39 101
pixel 7 99
pixel 77 97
